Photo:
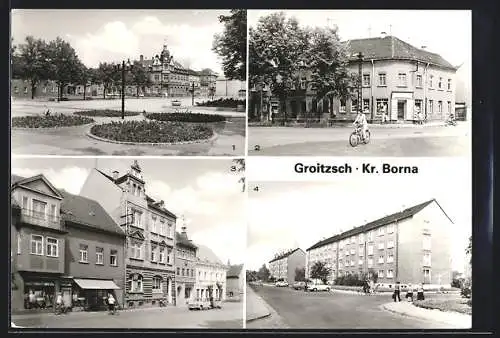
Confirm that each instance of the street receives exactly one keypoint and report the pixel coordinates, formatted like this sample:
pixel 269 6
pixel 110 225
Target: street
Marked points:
pixel 230 316
pixel 334 310
pixel 385 141
pixel 230 140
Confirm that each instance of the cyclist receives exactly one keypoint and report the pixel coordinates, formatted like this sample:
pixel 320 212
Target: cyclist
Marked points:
pixel 361 121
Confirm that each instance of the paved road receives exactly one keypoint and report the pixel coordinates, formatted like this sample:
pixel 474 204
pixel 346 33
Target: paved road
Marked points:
pixel 74 141
pixel 230 316
pixel 298 309
pixel 404 141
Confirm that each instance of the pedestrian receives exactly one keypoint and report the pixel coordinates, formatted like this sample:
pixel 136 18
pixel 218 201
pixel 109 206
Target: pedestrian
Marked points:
pixel 59 303
pixel 397 292
pixel 32 299
pixel 111 303
pixel 420 292
pixel 409 293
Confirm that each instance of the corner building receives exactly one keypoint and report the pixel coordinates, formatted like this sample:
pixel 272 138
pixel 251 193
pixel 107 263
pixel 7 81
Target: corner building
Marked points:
pixel 410 246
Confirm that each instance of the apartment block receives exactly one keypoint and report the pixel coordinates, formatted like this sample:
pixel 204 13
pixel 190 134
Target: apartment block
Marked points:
pixel 283 266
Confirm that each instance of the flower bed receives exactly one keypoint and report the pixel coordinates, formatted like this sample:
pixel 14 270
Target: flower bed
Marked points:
pixel 186 117
pixel 152 132
pixel 51 121
pixel 105 113
pixel 456 305
pixel 225 103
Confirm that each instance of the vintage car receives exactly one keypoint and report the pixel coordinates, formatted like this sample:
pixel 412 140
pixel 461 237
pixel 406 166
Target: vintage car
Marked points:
pixel 176 103
pixel 199 304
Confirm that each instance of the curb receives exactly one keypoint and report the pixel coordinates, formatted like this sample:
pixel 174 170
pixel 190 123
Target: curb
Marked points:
pixel 267 315
pixel 211 139
pixel 259 317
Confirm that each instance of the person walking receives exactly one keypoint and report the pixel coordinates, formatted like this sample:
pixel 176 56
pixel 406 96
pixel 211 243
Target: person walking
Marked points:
pixel 409 293
pixel 59 303
pixel 397 292
pixel 420 292
pixel 111 303
pixel 32 299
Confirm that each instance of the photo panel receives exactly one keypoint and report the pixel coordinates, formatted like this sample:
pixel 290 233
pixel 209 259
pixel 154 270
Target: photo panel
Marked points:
pixel 359 83
pixel 359 251
pixel 128 83
pixel 127 243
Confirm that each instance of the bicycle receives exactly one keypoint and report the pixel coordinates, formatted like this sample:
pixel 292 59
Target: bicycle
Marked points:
pixel 356 136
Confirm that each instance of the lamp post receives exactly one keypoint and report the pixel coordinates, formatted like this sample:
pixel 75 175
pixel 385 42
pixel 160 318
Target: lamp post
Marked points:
pixel 124 67
pixel 192 93
pixel 360 81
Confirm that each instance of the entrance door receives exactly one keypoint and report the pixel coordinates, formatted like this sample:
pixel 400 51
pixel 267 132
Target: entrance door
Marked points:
pixel 401 109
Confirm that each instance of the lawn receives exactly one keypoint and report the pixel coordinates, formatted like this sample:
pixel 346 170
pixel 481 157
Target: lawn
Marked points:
pixel 454 304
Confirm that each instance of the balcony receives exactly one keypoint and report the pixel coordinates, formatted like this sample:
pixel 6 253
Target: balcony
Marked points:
pixel 33 217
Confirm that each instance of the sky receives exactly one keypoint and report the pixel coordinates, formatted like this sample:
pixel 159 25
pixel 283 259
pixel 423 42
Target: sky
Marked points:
pixel 446 32
pixel 286 215
pixel 116 35
pixel 205 191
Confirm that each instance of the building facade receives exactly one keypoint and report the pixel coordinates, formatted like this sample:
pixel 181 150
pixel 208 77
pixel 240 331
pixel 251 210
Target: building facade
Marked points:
pixel 150 229
pixel 208 82
pixel 185 267
pixel 210 275
pixel 235 281
pixel 38 240
pixel 95 257
pixel 230 88
pixel 411 246
pixel 397 79
pixel 283 266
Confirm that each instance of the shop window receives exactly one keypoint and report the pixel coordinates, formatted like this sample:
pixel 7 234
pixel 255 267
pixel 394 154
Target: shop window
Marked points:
pixel 136 284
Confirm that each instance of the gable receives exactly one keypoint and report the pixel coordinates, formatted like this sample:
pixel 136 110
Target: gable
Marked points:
pixel 137 235
pixel 39 184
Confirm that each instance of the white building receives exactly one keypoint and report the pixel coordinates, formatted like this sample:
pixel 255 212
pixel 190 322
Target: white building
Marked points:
pixel 230 88
pixel 210 275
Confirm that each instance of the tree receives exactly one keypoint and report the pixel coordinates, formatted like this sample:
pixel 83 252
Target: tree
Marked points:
pixel 320 270
pixel 106 75
pixel 468 250
pixel 300 274
pixel 263 273
pixel 140 77
pixel 239 166
pixel 373 275
pixel 32 64
pixel 231 45
pixel 85 76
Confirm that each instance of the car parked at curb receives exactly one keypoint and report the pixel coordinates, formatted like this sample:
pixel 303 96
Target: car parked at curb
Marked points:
pixel 281 284
pixel 299 285
pixel 176 103
pixel 318 287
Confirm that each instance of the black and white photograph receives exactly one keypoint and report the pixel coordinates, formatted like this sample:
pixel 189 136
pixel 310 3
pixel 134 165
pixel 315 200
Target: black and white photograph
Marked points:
pixel 360 253
pixel 127 243
pixel 128 82
pixel 359 83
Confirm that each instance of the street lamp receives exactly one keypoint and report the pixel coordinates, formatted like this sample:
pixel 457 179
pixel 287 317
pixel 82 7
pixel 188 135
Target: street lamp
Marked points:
pixel 124 67
pixel 192 93
pixel 360 82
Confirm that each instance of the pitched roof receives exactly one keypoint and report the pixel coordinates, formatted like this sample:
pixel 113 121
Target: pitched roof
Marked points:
pixel 391 47
pixel 15 178
pixel 182 239
pixel 18 180
pixel 234 271
pixel 398 216
pixel 87 212
pixel 205 254
pixel 284 255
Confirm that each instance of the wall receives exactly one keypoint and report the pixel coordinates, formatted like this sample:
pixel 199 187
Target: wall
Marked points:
pixel 296 260
pixel 229 88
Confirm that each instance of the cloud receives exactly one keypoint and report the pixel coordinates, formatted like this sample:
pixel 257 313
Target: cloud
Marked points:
pixel 70 179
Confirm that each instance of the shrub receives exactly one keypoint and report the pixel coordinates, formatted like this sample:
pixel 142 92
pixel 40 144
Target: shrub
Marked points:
pixel 350 280
pixel 50 121
pixel 105 113
pixel 151 131
pixel 224 103
pixel 186 117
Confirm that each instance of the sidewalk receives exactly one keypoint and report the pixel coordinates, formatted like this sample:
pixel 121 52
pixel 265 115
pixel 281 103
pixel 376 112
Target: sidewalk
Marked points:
pixel 257 308
pixel 454 319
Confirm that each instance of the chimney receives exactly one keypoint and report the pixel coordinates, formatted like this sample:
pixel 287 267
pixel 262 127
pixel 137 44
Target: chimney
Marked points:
pixel 115 175
pixel 141 57
pixel 383 35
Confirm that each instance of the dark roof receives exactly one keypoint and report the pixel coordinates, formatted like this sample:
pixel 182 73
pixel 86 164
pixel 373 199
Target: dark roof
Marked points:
pixel 391 47
pixel 182 239
pixel 234 271
pixel 283 255
pixel 398 216
pixel 207 71
pixel 87 212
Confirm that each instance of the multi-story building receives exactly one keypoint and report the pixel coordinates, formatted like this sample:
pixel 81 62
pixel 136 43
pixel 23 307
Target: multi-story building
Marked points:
pixel 37 241
pixel 397 79
pixel 208 82
pixel 94 251
pixel 283 266
pixel 150 229
pixel 185 266
pixel 235 281
pixel 210 275
pixel 410 246
pixel 194 82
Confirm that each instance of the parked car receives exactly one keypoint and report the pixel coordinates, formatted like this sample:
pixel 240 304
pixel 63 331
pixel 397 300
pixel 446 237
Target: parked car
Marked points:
pixel 318 287
pixel 299 285
pixel 281 284
pixel 176 103
pixel 199 304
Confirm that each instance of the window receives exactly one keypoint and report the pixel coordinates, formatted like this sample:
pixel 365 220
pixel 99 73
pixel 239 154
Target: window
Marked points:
pixel 431 106
pixel 366 80
pixel 390 244
pixel 192 272
pixel 370 249
pixel 381 259
pixel 354 105
pixel 39 208
pixel 402 79
pixel 381 231
pixel 440 106
pixel 449 107
pixel 381 245
pixel 380 273
pixel 136 251
pixel 342 105
pixel 52 247
pixel 427 259
pixel 449 84
pixel 178 271
pixel 136 285
pixel 440 83
pixel 16 90
pixel 162 255
pixel 382 106
pixel 36 245
pixel 431 78
pixel 99 256
pixel 153 253
pixel 366 104
pixel 360 262
pixel 352 262
pixel 183 272
pixel 390 274
pixel 382 79
pixel 25 203
pixel 153 224
pixel 138 219
pixel 113 258
pixel 427 242
pixel 390 258
pixel 427 274
pixel 157 284
pixel 361 251
pixel 53 212
pixel 419 80
pixel 370 235
pixel 347 253
pixel 19 243
pixel 163 228
pixel 370 262
pixel 390 228
pixel 84 253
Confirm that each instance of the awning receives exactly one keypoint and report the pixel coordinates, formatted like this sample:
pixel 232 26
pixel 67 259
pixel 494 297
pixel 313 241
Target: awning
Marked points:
pixel 96 284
